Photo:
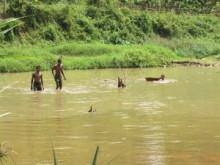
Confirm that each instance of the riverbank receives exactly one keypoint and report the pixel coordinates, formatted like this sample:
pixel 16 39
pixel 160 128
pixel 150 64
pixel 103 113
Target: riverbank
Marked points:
pixel 78 55
pixel 96 55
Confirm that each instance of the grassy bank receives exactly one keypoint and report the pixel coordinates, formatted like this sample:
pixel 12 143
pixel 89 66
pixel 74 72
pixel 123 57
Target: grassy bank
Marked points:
pixel 79 55
pixel 197 48
pixel 82 55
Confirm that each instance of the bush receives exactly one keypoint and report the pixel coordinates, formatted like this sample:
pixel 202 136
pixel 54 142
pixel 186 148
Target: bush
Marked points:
pixel 108 23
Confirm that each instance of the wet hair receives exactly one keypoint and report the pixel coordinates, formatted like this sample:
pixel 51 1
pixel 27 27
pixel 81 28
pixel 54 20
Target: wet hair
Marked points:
pixel 59 61
pixel 38 67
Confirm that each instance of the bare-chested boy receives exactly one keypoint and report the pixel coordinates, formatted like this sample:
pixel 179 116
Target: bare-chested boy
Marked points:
pixel 58 68
pixel 37 80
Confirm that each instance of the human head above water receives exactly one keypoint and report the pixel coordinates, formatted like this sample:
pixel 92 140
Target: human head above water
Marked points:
pixel 59 61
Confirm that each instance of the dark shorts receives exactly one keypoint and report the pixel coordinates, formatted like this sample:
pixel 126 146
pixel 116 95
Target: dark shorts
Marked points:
pixel 37 86
pixel 58 78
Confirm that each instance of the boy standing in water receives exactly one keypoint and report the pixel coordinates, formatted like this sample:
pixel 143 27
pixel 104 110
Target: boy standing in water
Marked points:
pixel 37 80
pixel 58 68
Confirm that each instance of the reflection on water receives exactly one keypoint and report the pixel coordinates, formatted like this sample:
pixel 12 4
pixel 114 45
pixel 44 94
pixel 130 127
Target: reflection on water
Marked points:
pixel 162 123
pixel 164 81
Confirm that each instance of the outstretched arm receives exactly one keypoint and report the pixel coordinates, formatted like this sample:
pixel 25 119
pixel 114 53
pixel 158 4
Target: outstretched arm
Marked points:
pixel 63 73
pixel 42 83
pixel 53 72
pixel 32 79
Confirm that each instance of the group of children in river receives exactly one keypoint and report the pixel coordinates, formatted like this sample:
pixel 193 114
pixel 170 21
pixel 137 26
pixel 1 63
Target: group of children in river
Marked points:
pixel 37 77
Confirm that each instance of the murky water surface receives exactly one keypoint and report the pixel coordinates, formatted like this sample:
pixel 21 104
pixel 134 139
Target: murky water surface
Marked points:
pixel 145 124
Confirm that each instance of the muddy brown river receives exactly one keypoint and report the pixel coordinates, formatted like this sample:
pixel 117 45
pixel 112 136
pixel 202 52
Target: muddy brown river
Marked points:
pixel 176 122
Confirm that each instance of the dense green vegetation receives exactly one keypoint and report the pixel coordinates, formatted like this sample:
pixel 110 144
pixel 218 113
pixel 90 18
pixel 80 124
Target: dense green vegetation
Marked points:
pixel 102 33
pixel 110 24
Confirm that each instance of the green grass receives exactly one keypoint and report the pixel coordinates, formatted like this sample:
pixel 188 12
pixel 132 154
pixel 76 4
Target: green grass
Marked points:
pixel 94 162
pixel 191 47
pixel 84 56
pixel 155 52
pixel 55 161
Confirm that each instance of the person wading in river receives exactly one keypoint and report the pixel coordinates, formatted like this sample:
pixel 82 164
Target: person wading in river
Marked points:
pixel 37 80
pixel 58 68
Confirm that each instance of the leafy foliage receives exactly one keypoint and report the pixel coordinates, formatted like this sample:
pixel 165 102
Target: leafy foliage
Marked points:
pixel 7 25
pixel 106 22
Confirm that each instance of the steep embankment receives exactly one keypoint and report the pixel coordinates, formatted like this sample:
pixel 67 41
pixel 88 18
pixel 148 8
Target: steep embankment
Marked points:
pixel 147 39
